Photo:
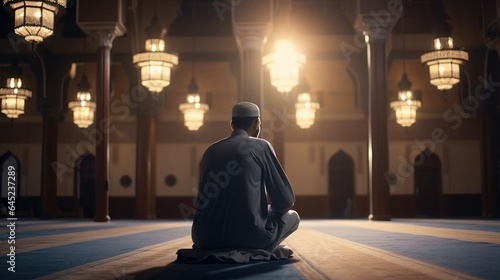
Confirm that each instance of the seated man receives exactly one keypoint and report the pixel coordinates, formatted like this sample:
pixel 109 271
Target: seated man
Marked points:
pixel 236 176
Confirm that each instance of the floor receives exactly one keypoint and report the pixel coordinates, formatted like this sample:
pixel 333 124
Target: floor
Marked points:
pixel 323 249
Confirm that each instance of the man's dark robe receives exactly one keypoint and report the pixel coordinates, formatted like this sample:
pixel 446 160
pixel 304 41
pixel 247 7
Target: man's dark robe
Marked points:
pixel 232 207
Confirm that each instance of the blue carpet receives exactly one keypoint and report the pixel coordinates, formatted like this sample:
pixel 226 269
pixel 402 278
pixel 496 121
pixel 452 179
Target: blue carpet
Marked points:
pixel 451 225
pixel 478 259
pixel 44 232
pixel 38 222
pixel 42 262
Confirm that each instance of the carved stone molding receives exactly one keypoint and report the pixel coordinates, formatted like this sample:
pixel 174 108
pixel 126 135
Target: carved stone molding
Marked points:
pixel 104 38
pixel 377 18
pixel 251 36
pixel 104 23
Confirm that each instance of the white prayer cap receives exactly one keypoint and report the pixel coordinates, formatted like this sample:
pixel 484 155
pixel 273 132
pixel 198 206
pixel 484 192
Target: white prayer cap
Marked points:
pixel 245 109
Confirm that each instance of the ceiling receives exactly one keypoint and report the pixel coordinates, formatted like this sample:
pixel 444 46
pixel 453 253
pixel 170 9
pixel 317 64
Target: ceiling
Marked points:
pixel 206 18
pixel 321 25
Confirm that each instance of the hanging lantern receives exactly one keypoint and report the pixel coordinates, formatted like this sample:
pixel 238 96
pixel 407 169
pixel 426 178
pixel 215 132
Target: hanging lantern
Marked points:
pixel 284 65
pixel 305 110
pixel 407 105
pixel 34 20
pixel 13 96
pixel 83 108
pixel 155 64
pixel 193 109
pixel 444 63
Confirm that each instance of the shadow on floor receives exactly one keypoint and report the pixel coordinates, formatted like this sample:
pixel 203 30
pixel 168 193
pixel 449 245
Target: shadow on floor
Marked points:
pixel 277 269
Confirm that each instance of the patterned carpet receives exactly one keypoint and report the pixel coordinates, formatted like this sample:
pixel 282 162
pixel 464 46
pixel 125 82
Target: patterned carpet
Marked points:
pixel 323 249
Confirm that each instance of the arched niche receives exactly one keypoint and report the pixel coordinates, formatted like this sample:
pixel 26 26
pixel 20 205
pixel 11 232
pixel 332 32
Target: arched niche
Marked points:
pixel 85 182
pixel 427 184
pixel 341 185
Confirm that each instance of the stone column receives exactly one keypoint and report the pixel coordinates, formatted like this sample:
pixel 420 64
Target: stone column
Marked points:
pixel 376 30
pixel 488 125
pixel 251 26
pixel 378 142
pixel 147 120
pixel 49 157
pixel 51 75
pixel 103 123
pixel 110 24
pixel 152 174
pixel 252 23
pixel 146 165
pixel 489 165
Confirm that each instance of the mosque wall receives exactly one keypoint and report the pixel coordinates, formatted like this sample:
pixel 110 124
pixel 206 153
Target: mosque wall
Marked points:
pixel 305 162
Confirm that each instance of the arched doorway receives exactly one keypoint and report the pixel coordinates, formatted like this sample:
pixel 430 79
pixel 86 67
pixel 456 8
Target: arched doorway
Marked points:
pixel 341 185
pixel 427 184
pixel 10 177
pixel 85 184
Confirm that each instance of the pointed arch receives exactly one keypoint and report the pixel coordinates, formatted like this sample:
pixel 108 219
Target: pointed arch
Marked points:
pixel 341 185
pixel 357 70
pixel 428 186
pixel 357 85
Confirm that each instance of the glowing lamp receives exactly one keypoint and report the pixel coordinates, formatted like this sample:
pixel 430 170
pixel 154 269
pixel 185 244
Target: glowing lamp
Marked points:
pixel 34 20
pixel 83 108
pixel 305 110
pixel 284 65
pixel 13 96
pixel 155 64
pixel 444 63
pixel 407 105
pixel 193 109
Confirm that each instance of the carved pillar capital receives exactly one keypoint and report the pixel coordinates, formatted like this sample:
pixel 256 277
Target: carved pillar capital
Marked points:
pixel 252 21
pixel 376 18
pixel 251 36
pixel 111 23
pixel 104 38
pixel 493 44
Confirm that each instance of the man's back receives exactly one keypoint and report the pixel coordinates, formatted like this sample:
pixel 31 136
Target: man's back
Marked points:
pixel 237 175
pixel 232 203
